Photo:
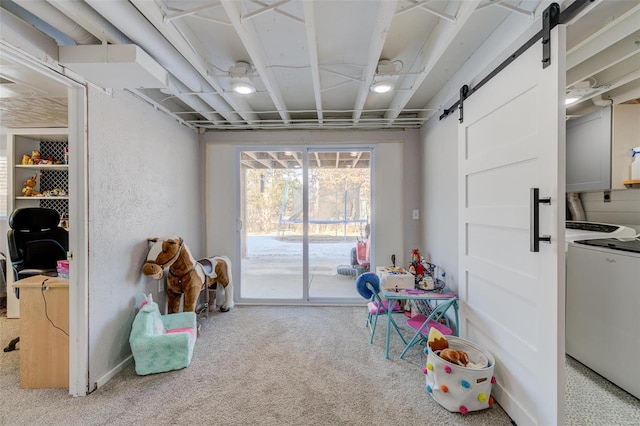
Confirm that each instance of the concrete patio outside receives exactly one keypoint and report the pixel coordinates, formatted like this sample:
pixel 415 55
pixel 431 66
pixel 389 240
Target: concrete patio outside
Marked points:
pixel 272 268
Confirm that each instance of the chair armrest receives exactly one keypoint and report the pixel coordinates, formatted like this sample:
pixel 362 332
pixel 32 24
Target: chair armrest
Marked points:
pixel 160 342
pixel 179 320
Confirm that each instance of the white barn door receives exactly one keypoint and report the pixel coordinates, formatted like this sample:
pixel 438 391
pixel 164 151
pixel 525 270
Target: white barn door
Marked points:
pixel 512 299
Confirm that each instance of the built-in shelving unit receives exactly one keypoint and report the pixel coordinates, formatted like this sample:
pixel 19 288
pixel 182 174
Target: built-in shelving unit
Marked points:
pixel 50 143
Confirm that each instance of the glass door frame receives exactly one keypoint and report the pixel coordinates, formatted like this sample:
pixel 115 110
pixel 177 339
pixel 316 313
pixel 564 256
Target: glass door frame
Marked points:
pixel 305 150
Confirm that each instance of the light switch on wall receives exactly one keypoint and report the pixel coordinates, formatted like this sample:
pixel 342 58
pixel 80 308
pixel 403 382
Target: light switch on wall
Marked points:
pixel 416 214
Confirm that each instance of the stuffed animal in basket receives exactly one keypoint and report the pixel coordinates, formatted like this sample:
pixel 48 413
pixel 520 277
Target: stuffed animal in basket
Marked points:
pixel 186 275
pixel 438 342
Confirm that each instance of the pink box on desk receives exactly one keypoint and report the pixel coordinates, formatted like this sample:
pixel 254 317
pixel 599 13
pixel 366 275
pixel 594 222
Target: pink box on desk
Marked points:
pixel 392 278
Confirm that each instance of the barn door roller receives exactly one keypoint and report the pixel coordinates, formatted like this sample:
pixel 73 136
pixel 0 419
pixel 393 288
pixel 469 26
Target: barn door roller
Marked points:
pixel 550 18
pixel 549 21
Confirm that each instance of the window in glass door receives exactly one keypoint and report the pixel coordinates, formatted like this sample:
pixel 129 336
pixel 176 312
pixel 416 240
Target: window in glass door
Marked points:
pixel 305 217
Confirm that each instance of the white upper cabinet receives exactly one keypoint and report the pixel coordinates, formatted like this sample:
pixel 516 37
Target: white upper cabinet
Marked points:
pixel 599 148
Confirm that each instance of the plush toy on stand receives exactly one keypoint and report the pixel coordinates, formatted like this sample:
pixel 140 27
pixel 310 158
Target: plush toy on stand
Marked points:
pixel 186 275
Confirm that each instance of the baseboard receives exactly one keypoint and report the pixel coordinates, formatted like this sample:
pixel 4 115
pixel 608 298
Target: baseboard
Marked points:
pixel 111 373
pixel 513 409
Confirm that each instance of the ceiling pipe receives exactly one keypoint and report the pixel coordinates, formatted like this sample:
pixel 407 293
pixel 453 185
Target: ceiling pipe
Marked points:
pixel 86 16
pixel 58 20
pixel 128 19
pixel 598 101
pixel 89 19
pixel 82 14
pixel 174 35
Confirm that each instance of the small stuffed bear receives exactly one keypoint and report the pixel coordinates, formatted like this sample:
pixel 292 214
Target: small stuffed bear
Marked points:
pixel 28 190
pixel 455 356
pixel 26 160
pixel 438 342
pixel 35 156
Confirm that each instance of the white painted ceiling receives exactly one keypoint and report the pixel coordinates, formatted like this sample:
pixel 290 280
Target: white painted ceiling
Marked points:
pixel 313 62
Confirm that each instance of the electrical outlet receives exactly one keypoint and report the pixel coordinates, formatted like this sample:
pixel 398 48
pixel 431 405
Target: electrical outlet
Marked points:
pixel 606 197
pixel 416 214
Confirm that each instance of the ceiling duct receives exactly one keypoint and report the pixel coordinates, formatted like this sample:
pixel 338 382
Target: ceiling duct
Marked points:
pixel 115 66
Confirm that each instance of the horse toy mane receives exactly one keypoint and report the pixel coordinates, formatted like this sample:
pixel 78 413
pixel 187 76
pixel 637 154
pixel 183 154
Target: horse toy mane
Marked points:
pixel 186 275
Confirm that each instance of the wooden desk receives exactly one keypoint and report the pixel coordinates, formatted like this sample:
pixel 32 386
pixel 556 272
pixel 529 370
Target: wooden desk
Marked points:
pixel 44 349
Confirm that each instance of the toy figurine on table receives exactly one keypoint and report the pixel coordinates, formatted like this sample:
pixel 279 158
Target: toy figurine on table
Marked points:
pixel 424 273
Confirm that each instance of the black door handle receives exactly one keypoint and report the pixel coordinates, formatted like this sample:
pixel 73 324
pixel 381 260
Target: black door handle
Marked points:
pixel 534 217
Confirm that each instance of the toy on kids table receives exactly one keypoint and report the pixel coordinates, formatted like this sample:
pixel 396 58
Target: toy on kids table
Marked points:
pixel 188 276
pixel 424 273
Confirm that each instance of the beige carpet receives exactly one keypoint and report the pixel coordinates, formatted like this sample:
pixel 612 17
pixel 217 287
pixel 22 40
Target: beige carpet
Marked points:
pixel 255 365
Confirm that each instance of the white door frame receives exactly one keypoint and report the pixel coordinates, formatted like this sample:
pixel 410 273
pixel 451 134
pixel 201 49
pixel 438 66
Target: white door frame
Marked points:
pixel 78 220
pixel 304 149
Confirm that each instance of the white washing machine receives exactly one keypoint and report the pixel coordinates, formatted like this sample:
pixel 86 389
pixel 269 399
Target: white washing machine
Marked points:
pixel 579 230
pixel 603 309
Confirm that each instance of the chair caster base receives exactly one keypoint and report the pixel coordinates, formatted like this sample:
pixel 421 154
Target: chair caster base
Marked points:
pixel 12 345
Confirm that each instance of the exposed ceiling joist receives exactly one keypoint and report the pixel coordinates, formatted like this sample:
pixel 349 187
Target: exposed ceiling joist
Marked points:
pixel 312 40
pixel 439 41
pixel 251 42
pixel 614 31
pixel 189 12
pixel 312 62
pixel 380 31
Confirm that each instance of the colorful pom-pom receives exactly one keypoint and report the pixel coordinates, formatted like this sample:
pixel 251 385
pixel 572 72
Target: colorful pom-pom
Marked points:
pixel 444 388
pixel 429 389
pixel 493 380
pixel 463 410
pixel 482 397
pixel 491 400
pixel 430 366
pixel 425 371
pixel 447 369
pixel 465 384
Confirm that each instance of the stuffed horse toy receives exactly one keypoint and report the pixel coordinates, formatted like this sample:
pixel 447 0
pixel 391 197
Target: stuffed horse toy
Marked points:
pixel 186 275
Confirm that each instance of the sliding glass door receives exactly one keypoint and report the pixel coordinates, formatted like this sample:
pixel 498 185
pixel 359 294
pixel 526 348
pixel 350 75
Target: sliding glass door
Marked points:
pixel 305 217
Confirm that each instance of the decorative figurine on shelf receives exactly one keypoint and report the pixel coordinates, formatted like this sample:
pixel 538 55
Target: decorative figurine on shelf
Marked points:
pixel 28 190
pixel 26 160
pixel 35 156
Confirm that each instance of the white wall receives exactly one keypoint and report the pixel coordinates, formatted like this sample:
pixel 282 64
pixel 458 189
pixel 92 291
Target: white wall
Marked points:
pixel 623 209
pixel 440 196
pixel 145 180
pixel 396 188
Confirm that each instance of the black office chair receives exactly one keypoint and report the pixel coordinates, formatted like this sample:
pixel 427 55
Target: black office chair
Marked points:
pixel 36 242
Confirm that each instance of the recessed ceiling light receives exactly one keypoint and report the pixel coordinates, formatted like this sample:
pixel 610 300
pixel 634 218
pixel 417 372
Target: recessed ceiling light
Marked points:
pixel 385 77
pixel 243 87
pixel 240 75
pixel 382 87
